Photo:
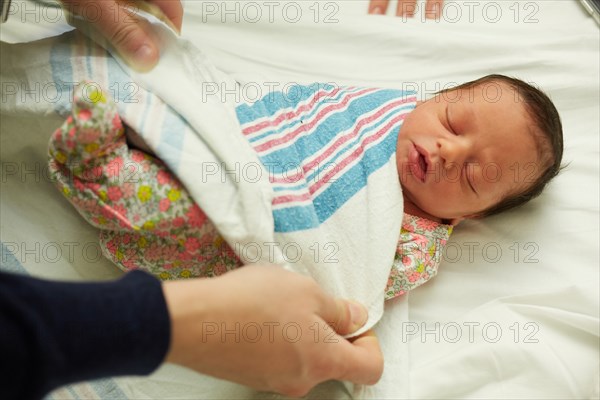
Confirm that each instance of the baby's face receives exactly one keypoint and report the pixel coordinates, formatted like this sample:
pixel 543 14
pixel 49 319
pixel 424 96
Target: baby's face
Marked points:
pixel 464 151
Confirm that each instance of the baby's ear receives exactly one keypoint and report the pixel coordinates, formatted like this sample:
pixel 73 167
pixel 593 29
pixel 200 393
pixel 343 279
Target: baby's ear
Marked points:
pixel 456 221
pixel 453 221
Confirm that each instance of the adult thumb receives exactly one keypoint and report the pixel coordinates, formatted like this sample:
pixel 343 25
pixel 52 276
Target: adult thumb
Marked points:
pixel 112 24
pixel 345 316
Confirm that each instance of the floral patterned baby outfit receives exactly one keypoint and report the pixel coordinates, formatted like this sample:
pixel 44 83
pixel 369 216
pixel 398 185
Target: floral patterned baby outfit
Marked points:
pixel 148 220
pixel 418 254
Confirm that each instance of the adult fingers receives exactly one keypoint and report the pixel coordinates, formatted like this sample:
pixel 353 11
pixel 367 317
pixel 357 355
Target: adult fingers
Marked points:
pixel 343 316
pixel 172 9
pixel 363 360
pixel 378 6
pixel 116 24
pixel 433 9
pixel 406 8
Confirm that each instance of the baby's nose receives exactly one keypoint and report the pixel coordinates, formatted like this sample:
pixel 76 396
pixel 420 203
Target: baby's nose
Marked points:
pixel 452 153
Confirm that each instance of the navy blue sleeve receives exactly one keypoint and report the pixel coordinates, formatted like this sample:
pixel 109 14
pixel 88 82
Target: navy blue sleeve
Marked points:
pixel 54 333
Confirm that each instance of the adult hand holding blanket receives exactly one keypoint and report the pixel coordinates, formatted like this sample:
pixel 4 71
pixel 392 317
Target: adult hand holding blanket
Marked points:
pixel 362 225
pixel 115 21
pixel 196 130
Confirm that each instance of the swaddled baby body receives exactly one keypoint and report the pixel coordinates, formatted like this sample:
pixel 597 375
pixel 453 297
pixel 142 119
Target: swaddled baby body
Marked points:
pixel 453 155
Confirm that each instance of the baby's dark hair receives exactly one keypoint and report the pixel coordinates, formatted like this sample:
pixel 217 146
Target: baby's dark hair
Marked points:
pixel 547 133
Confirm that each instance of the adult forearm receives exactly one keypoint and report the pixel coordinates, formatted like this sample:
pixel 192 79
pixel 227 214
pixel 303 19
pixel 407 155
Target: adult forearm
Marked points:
pixel 54 333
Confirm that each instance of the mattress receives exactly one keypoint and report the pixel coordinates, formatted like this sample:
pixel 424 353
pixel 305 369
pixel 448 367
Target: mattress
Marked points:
pixel 514 309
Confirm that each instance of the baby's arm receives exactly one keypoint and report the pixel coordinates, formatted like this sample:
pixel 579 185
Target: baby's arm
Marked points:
pixel 114 187
pixel 147 218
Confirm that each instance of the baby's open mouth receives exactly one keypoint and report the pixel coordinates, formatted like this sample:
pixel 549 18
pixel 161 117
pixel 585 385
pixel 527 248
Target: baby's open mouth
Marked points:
pixel 418 163
pixel 422 163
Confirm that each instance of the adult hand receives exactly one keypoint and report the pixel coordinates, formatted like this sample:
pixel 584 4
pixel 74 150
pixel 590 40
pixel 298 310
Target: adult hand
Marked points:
pixel 114 22
pixel 433 8
pixel 270 329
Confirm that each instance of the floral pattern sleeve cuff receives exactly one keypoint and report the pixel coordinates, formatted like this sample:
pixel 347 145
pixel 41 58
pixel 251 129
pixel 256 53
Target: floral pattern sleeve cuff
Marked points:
pixel 418 254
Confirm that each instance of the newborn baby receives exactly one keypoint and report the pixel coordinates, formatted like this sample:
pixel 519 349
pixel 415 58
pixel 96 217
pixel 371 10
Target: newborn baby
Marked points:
pixel 472 151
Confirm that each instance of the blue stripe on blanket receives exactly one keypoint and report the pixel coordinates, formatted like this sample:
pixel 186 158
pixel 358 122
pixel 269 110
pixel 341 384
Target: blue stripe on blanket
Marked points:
pixel 290 124
pixel 331 126
pixel 172 137
pixel 104 388
pixel 289 158
pixel 173 125
pixel 274 102
pixel 348 147
pixel 338 192
pixel 122 89
pixel 62 73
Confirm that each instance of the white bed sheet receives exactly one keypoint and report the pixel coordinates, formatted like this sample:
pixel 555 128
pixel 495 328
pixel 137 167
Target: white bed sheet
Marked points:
pixel 541 294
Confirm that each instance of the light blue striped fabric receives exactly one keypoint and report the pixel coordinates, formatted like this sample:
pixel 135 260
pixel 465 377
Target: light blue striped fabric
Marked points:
pixel 289 130
pixel 125 93
pixel 105 389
